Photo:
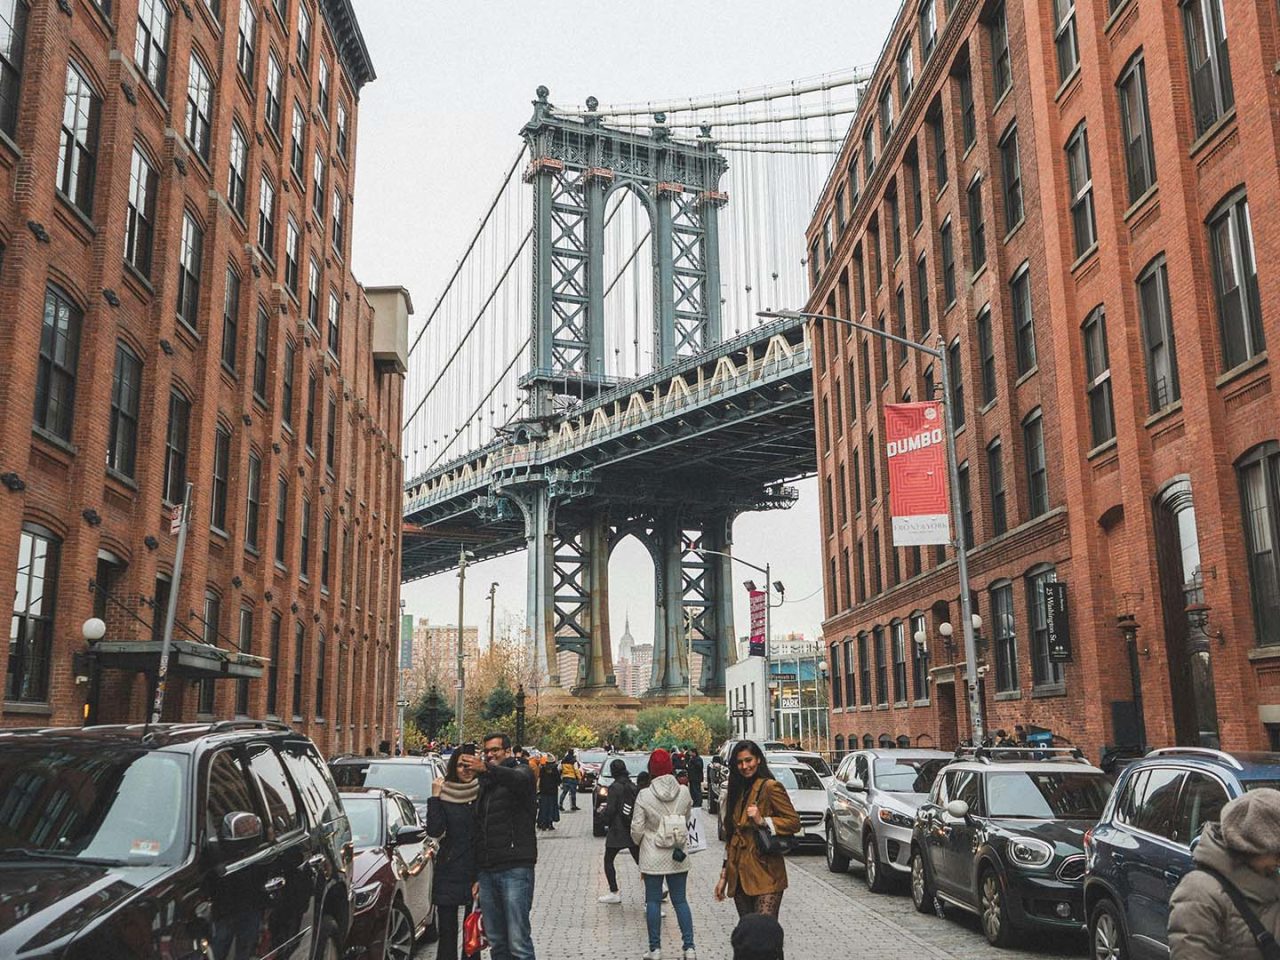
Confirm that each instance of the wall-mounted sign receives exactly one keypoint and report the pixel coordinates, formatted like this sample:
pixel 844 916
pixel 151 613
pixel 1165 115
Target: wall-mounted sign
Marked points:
pixel 915 451
pixel 1057 621
pixel 790 703
pixel 758 601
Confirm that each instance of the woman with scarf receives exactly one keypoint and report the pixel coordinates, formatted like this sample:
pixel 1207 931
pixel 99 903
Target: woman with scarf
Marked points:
pixel 451 814
pixel 754 802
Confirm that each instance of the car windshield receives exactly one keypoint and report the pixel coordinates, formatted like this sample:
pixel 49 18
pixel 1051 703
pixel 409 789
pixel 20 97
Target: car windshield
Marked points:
pixel 592 756
pixel 366 820
pixel 797 778
pixel 1047 796
pixel 636 765
pixel 120 806
pixel 411 779
pixel 1262 784
pixel 819 765
pixel 907 774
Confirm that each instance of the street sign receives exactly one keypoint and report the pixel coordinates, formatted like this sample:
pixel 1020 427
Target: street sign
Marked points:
pixel 742 712
pixel 782 676
pixel 1057 621
pixel 790 703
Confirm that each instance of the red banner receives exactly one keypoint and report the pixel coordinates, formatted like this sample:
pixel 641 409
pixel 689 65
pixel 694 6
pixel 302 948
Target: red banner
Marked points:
pixel 758 600
pixel 915 450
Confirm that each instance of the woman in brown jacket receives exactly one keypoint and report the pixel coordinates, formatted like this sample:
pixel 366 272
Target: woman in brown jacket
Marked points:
pixel 754 800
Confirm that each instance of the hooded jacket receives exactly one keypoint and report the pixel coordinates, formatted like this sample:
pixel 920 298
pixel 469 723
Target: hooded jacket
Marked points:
pixel 1203 922
pixel 618 812
pixel 665 796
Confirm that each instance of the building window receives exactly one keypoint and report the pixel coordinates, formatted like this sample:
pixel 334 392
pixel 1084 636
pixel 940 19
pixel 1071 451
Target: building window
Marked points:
pixel 919 658
pixel 948 263
pixel 221 471
pixel 1259 473
pixel 977 227
pixel 140 218
pixel 906 71
pixel 79 141
pixel 917 194
pixel 968 115
pixel 230 319
pixel 304 540
pixel 987 350
pixel 877 577
pixel 868 152
pixel 855 471
pixel 928 18
pixel 320 658
pixel 246 646
pixel 273 665
pixel 922 297
pixel 59 359
pixel 864 669
pixel 246 40
pixel 304 35
pixel 1140 159
pixel 297 142
pixel 13 37
pixel 190 268
pixel 253 501
pixel 955 372
pixel 900 308
pixel 1005 637
pixel 1208 60
pixel 326 536
pixel 1001 66
pixel 292 238
pixel 339 236
pixel 1011 168
pixel 1235 278
pixel 31 629
pixel 313 295
pixel 1081 181
pixel 939 151
pixel 340 140
pixel 310 429
pixel 895 225
pixel 1157 336
pixel 1037 472
pixel 299 641
pixel 1024 330
pixel 930 389
pixel 322 90
pixel 175 448
pixel 886 113
pixel 267 217
pixel 126 385
pixel 1098 377
pixel 900 692
pixel 317 186
pixel 199 108
pixel 865 373
pixel 837 684
pixel 287 395
pixel 282 506
pixel 995 479
pixel 335 324
pixel 882 666
pixel 237 162
pixel 966 504
pixel 1064 34
pixel 271 107
pixel 1044 672
pixel 151 43
pixel 260 355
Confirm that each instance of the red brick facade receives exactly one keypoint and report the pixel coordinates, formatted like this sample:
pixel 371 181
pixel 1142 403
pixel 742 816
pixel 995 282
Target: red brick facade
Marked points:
pixel 109 518
pixel 1110 527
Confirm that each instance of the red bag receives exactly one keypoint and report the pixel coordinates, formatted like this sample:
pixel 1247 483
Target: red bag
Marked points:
pixel 473 938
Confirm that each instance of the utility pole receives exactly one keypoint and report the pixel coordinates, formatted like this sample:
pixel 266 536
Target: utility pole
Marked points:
pixel 462 579
pixel 493 595
pixel 166 639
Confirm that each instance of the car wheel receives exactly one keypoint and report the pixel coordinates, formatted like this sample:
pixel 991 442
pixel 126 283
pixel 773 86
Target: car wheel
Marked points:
pixel 399 941
pixel 873 870
pixel 922 894
pixel 328 943
pixel 994 912
pixel 1107 940
pixel 837 862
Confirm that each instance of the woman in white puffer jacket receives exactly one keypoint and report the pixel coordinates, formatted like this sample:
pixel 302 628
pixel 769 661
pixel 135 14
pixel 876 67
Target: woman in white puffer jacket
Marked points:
pixel 661 860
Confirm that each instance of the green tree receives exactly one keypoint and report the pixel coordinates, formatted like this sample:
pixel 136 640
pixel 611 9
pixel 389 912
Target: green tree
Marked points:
pixel 501 702
pixel 716 717
pixel 653 719
pixel 683 731
pixel 432 713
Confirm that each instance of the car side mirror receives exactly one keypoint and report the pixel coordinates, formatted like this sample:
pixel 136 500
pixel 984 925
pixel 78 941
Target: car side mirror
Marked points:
pixel 958 809
pixel 240 826
pixel 410 834
pixel 855 785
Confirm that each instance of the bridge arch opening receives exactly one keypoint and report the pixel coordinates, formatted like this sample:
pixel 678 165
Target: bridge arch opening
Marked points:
pixel 630 278
pixel 632 611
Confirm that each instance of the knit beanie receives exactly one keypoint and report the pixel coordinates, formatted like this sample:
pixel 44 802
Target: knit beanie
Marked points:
pixel 618 768
pixel 659 763
pixel 757 936
pixel 1251 823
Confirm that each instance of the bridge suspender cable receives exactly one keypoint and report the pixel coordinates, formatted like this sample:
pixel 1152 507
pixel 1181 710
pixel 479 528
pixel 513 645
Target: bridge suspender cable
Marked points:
pixel 834 110
pixel 483 400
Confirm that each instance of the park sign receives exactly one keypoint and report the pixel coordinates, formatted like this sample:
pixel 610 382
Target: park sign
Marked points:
pixel 915 450
pixel 758 600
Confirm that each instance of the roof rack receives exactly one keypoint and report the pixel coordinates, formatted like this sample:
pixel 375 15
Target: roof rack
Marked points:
pixel 247 724
pixel 1020 754
pixel 1197 752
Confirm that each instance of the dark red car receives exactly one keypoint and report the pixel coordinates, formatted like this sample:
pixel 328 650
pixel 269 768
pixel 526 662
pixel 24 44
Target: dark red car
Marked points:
pixel 391 876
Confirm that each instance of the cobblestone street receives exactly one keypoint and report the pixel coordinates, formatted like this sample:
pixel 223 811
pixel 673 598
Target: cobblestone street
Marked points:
pixel 826 916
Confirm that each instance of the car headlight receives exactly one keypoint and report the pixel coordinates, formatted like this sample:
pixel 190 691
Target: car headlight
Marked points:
pixel 366 896
pixel 895 819
pixel 1030 853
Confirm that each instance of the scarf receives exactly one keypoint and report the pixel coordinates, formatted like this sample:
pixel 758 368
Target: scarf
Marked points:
pixel 451 792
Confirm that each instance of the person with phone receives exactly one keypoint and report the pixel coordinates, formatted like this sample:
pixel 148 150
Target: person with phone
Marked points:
pixel 451 814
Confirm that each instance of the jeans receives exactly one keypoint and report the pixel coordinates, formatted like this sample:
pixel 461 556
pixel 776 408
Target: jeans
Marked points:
pixel 676 884
pixel 506 896
pixel 449 931
pixel 569 789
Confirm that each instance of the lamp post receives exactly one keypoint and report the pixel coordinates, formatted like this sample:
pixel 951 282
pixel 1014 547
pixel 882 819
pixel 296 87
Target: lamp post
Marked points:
pixel 463 556
pixel 1128 625
pixel 823 679
pixel 493 596
pixel 938 353
pixel 520 714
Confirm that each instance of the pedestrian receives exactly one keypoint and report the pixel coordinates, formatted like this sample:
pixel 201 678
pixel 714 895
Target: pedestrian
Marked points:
pixel 757 936
pixel 451 814
pixel 1230 900
pixel 756 806
pixel 506 847
pixel 617 813
pixel 548 784
pixel 658 826
pixel 570 774
pixel 697 770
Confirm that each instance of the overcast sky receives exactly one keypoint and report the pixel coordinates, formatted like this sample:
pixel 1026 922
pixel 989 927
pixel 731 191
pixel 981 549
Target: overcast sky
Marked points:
pixel 439 126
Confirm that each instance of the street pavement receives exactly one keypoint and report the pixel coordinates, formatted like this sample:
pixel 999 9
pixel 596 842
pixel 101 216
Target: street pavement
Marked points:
pixel 826 916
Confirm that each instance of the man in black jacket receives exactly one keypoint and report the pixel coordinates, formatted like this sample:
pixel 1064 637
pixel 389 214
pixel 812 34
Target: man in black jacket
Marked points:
pixel 506 847
pixel 697 772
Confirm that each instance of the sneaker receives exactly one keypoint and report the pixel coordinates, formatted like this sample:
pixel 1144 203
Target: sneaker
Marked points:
pixel 655 954
pixel 610 898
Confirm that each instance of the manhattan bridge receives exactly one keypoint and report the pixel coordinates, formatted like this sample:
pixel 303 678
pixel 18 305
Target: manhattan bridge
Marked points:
pixel 594 369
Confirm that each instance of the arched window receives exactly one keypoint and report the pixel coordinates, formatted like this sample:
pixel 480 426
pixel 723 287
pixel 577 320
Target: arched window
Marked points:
pixel 1259 472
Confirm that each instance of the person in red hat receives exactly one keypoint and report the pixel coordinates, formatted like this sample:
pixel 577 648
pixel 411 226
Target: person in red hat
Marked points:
pixel 658 826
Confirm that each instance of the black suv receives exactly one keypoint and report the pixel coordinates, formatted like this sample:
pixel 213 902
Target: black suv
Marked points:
pixel 222 840
pixel 1002 836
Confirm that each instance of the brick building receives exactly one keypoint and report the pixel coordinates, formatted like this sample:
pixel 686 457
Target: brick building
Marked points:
pixel 178 304
pixel 1059 193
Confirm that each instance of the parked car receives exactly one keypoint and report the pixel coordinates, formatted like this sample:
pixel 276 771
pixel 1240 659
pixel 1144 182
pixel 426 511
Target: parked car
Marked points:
pixel 391 877
pixel 590 762
pixel 1141 846
pixel 636 763
pixel 128 841
pixel 1002 836
pixel 412 776
pixel 814 760
pixel 871 810
pixel 808 795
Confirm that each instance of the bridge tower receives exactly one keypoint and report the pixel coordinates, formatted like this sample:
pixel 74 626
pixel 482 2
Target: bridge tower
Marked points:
pixel 576 164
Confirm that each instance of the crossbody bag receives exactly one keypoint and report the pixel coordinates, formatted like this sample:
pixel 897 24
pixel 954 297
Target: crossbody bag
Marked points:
pixel 1262 936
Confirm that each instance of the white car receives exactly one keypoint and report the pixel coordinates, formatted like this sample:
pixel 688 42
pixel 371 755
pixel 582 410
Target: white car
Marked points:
pixel 808 796
pixel 806 757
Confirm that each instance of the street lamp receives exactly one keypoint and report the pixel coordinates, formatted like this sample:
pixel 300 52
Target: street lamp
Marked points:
pixel 823 675
pixel 464 556
pixel 961 546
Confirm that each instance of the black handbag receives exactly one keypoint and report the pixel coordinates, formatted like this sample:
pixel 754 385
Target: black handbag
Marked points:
pixel 769 844
pixel 1261 935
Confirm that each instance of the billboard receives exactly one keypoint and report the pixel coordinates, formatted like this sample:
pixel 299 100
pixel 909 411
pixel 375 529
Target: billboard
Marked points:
pixel 915 451
pixel 758 600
